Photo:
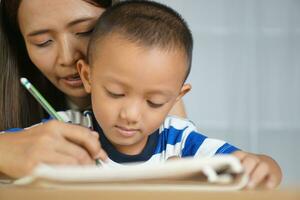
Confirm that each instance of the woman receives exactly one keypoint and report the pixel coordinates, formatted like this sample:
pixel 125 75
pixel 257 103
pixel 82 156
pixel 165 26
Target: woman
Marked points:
pixel 43 40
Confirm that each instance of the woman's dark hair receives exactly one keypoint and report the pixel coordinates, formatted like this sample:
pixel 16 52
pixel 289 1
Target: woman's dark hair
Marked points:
pixel 17 107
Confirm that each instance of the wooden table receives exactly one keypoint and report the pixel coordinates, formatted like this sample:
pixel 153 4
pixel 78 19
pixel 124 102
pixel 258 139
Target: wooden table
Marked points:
pixel 100 194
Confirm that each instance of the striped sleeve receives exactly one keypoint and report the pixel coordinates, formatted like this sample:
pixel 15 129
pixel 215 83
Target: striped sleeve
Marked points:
pixel 193 143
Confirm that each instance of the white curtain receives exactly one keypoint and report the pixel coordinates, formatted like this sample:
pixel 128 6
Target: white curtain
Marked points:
pixel 246 75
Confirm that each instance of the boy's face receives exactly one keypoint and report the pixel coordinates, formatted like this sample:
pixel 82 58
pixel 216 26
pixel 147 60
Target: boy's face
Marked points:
pixel 133 89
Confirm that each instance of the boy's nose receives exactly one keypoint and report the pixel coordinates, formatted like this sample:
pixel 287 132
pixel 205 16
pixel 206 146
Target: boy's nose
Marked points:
pixel 131 112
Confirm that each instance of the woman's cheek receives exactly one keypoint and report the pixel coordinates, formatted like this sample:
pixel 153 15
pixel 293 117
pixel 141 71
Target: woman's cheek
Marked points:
pixel 43 59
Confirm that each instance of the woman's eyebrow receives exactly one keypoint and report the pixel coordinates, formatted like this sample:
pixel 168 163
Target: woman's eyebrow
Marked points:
pixel 38 32
pixel 78 21
pixel 72 23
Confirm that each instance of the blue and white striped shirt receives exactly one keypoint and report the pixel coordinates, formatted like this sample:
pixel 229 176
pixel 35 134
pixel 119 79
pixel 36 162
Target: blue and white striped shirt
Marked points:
pixel 176 137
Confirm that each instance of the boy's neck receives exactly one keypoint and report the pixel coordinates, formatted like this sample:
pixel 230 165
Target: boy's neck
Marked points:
pixel 132 149
pixel 142 152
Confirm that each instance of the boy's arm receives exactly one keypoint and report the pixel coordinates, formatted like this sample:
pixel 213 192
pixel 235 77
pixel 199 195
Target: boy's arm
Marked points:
pixel 262 169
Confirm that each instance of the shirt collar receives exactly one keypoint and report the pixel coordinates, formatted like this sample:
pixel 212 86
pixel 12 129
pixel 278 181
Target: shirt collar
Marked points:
pixel 119 157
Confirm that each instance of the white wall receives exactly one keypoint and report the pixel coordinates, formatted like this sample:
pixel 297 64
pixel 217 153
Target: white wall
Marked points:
pixel 246 75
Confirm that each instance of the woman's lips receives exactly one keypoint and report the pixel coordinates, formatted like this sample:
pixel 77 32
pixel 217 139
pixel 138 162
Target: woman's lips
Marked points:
pixel 126 132
pixel 73 80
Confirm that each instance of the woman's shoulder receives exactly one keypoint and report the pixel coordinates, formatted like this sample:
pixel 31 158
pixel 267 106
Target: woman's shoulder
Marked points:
pixel 76 117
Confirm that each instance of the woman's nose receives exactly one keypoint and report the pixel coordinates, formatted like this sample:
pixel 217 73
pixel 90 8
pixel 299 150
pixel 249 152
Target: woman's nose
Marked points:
pixel 68 54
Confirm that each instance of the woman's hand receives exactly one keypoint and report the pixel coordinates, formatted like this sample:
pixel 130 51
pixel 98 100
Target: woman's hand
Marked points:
pixel 53 142
pixel 262 170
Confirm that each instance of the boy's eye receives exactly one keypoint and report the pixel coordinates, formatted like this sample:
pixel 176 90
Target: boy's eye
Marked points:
pixel 114 95
pixel 154 105
pixel 85 33
pixel 44 44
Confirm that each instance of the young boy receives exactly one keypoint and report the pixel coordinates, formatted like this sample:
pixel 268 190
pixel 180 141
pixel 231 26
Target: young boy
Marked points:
pixel 138 60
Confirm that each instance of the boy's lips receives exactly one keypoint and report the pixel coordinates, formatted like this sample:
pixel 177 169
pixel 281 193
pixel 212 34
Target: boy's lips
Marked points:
pixel 73 80
pixel 127 132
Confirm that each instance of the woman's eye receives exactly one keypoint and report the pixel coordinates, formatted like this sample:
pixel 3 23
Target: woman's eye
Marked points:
pixel 44 44
pixel 85 33
pixel 154 105
pixel 115 95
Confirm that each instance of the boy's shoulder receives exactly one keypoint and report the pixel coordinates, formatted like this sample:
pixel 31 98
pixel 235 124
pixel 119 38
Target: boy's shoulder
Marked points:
pixel 172 121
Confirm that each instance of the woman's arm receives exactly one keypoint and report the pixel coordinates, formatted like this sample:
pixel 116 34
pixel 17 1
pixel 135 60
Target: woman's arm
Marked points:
pixel 178 110
pixel 53 142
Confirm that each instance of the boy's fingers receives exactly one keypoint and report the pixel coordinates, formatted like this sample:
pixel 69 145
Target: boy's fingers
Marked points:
pixel 240 155
pixel 249 164
pixel 272 182
pixel 259 175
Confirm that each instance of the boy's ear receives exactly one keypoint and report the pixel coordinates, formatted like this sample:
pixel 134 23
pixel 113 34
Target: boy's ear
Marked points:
pixel 85 74
pixel 184 89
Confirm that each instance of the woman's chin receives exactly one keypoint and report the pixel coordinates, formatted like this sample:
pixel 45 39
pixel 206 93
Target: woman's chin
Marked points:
pixel 76 93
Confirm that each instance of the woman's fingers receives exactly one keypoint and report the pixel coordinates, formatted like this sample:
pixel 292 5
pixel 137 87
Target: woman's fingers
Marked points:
pixel 78 153
pixel 83 137
pixel 60 159
pixel 53 142
pixel 102 155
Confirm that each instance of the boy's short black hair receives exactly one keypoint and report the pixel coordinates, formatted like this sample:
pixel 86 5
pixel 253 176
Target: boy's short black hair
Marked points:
pixel 147 23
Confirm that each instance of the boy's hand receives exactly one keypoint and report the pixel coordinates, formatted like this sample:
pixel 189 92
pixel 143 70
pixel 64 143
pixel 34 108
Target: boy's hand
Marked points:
pixel 53 142
pixel 262 170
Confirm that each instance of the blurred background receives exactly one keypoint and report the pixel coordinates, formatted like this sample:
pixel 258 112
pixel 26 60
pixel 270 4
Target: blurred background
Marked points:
pixel 246 75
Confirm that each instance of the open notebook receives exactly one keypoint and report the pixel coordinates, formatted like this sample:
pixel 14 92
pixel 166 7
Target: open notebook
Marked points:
pixel 222 172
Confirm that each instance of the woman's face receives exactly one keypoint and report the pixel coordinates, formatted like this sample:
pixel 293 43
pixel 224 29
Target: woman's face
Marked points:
pixel 56 34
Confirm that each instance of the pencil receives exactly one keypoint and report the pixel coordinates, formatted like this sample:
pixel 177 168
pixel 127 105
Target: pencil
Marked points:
pixel 44 103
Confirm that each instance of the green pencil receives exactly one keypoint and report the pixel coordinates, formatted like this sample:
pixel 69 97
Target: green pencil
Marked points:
pixel 44 103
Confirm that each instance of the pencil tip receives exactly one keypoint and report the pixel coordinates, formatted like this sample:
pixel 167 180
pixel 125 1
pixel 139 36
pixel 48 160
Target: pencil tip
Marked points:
pixel 25 82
